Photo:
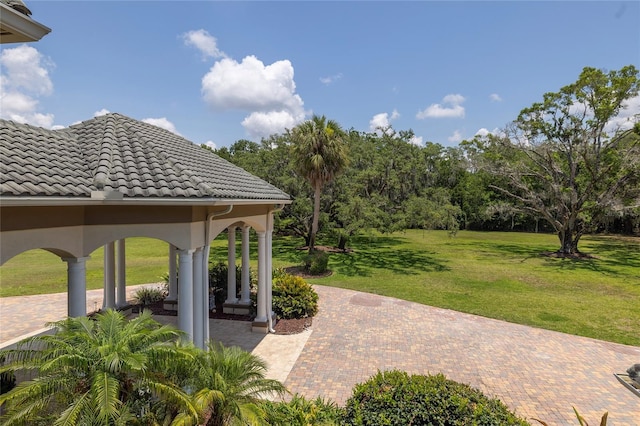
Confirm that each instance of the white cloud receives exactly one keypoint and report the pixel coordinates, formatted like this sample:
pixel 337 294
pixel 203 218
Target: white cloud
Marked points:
pixel 211 144
pixel 629 114
pixel 24 77
pixel 267 92
pixel 382 122
pixel 250 85
pixel 486 132
pixel 25 68
pixel 17 103
pixel 103 111
pixel 455 137
pixel 262 124
pixel 416 140
pixel 330 79
pixel 451 107
pixel 204 42
pixel 494 97
pixel 163 123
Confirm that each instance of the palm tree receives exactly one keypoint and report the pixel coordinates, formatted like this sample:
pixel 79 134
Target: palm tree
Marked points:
pixel 229 384
pixel 96 371
pixel 320 154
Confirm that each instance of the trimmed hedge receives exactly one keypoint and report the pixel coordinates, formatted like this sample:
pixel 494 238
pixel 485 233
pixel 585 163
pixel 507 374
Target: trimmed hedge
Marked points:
pixel 396 398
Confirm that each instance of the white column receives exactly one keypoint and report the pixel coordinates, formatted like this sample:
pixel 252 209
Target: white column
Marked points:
pixel 245 276
pixel 231 266
pixel 269 273
pixel 198 312
pixel 121 275
pixel 205 297
pixel 173 274
pixel 185 295
pixel 77 286
pixel 109 287
pixel 262 278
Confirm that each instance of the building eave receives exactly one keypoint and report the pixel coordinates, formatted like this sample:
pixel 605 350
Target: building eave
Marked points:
pixel 87 201
pixel 15 27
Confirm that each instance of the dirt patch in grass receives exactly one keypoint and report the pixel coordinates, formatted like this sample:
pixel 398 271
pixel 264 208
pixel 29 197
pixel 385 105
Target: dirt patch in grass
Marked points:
pixel 300 272
pixel 576 256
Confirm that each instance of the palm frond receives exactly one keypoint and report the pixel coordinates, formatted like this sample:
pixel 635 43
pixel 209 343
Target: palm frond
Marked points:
pixel 105 389
pixel 70 416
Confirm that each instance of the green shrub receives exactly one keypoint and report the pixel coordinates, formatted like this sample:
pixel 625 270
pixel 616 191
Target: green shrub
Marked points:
pixel 293 297
pixel 148 295
pixel 218 278
pixel 303 412
pixel 315 263
pixel 396 398
pixel 279 273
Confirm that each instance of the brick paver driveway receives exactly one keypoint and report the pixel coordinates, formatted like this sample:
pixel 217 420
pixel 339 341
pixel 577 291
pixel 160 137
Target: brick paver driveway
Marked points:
pixel 538 373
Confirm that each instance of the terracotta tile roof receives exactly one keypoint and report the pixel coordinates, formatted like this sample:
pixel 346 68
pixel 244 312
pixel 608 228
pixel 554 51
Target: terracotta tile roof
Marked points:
pixel 116 153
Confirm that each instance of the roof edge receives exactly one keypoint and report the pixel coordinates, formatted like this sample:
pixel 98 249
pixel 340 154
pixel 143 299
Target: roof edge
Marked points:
pixel 23 28
pixel 16 201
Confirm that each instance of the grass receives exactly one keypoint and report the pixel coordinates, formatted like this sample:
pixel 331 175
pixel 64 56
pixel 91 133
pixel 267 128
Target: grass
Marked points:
pixel 40 272
pixel 498 275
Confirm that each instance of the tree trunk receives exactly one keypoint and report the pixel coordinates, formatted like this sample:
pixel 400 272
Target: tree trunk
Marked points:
pixel 316 213
pixel 342 242
pixel 569 242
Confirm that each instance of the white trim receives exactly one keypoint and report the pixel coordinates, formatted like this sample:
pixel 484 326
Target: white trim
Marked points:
pixel 21 27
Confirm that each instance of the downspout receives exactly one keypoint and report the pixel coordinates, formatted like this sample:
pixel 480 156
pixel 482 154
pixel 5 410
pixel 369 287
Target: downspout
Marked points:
pixel 277 208
pixel 205 263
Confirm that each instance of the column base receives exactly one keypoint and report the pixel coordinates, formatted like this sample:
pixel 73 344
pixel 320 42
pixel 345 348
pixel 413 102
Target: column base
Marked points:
pixel 170 305
pixel 236 308
pixel 262 326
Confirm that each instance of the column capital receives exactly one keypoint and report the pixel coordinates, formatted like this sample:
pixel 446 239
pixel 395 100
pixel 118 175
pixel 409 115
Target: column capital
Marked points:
pixel 185 251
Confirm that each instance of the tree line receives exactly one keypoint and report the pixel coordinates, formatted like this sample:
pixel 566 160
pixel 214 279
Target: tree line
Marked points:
pixel 566 165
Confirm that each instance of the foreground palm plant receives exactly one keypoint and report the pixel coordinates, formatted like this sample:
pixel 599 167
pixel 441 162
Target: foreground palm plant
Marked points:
pixel 106 371
pixel 228 386
pixel 581 420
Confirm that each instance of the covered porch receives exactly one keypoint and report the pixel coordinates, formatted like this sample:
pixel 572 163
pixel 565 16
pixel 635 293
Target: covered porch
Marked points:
pixel 111 178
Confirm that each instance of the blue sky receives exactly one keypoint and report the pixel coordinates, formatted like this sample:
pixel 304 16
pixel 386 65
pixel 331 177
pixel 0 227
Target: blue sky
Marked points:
pixel 218 71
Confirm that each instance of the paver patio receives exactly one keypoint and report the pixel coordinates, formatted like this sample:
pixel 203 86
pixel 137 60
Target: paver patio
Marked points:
pixel 538 373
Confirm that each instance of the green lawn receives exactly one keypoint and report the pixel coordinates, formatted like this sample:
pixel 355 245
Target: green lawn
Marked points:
pixel 498 275
pixel 38 271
